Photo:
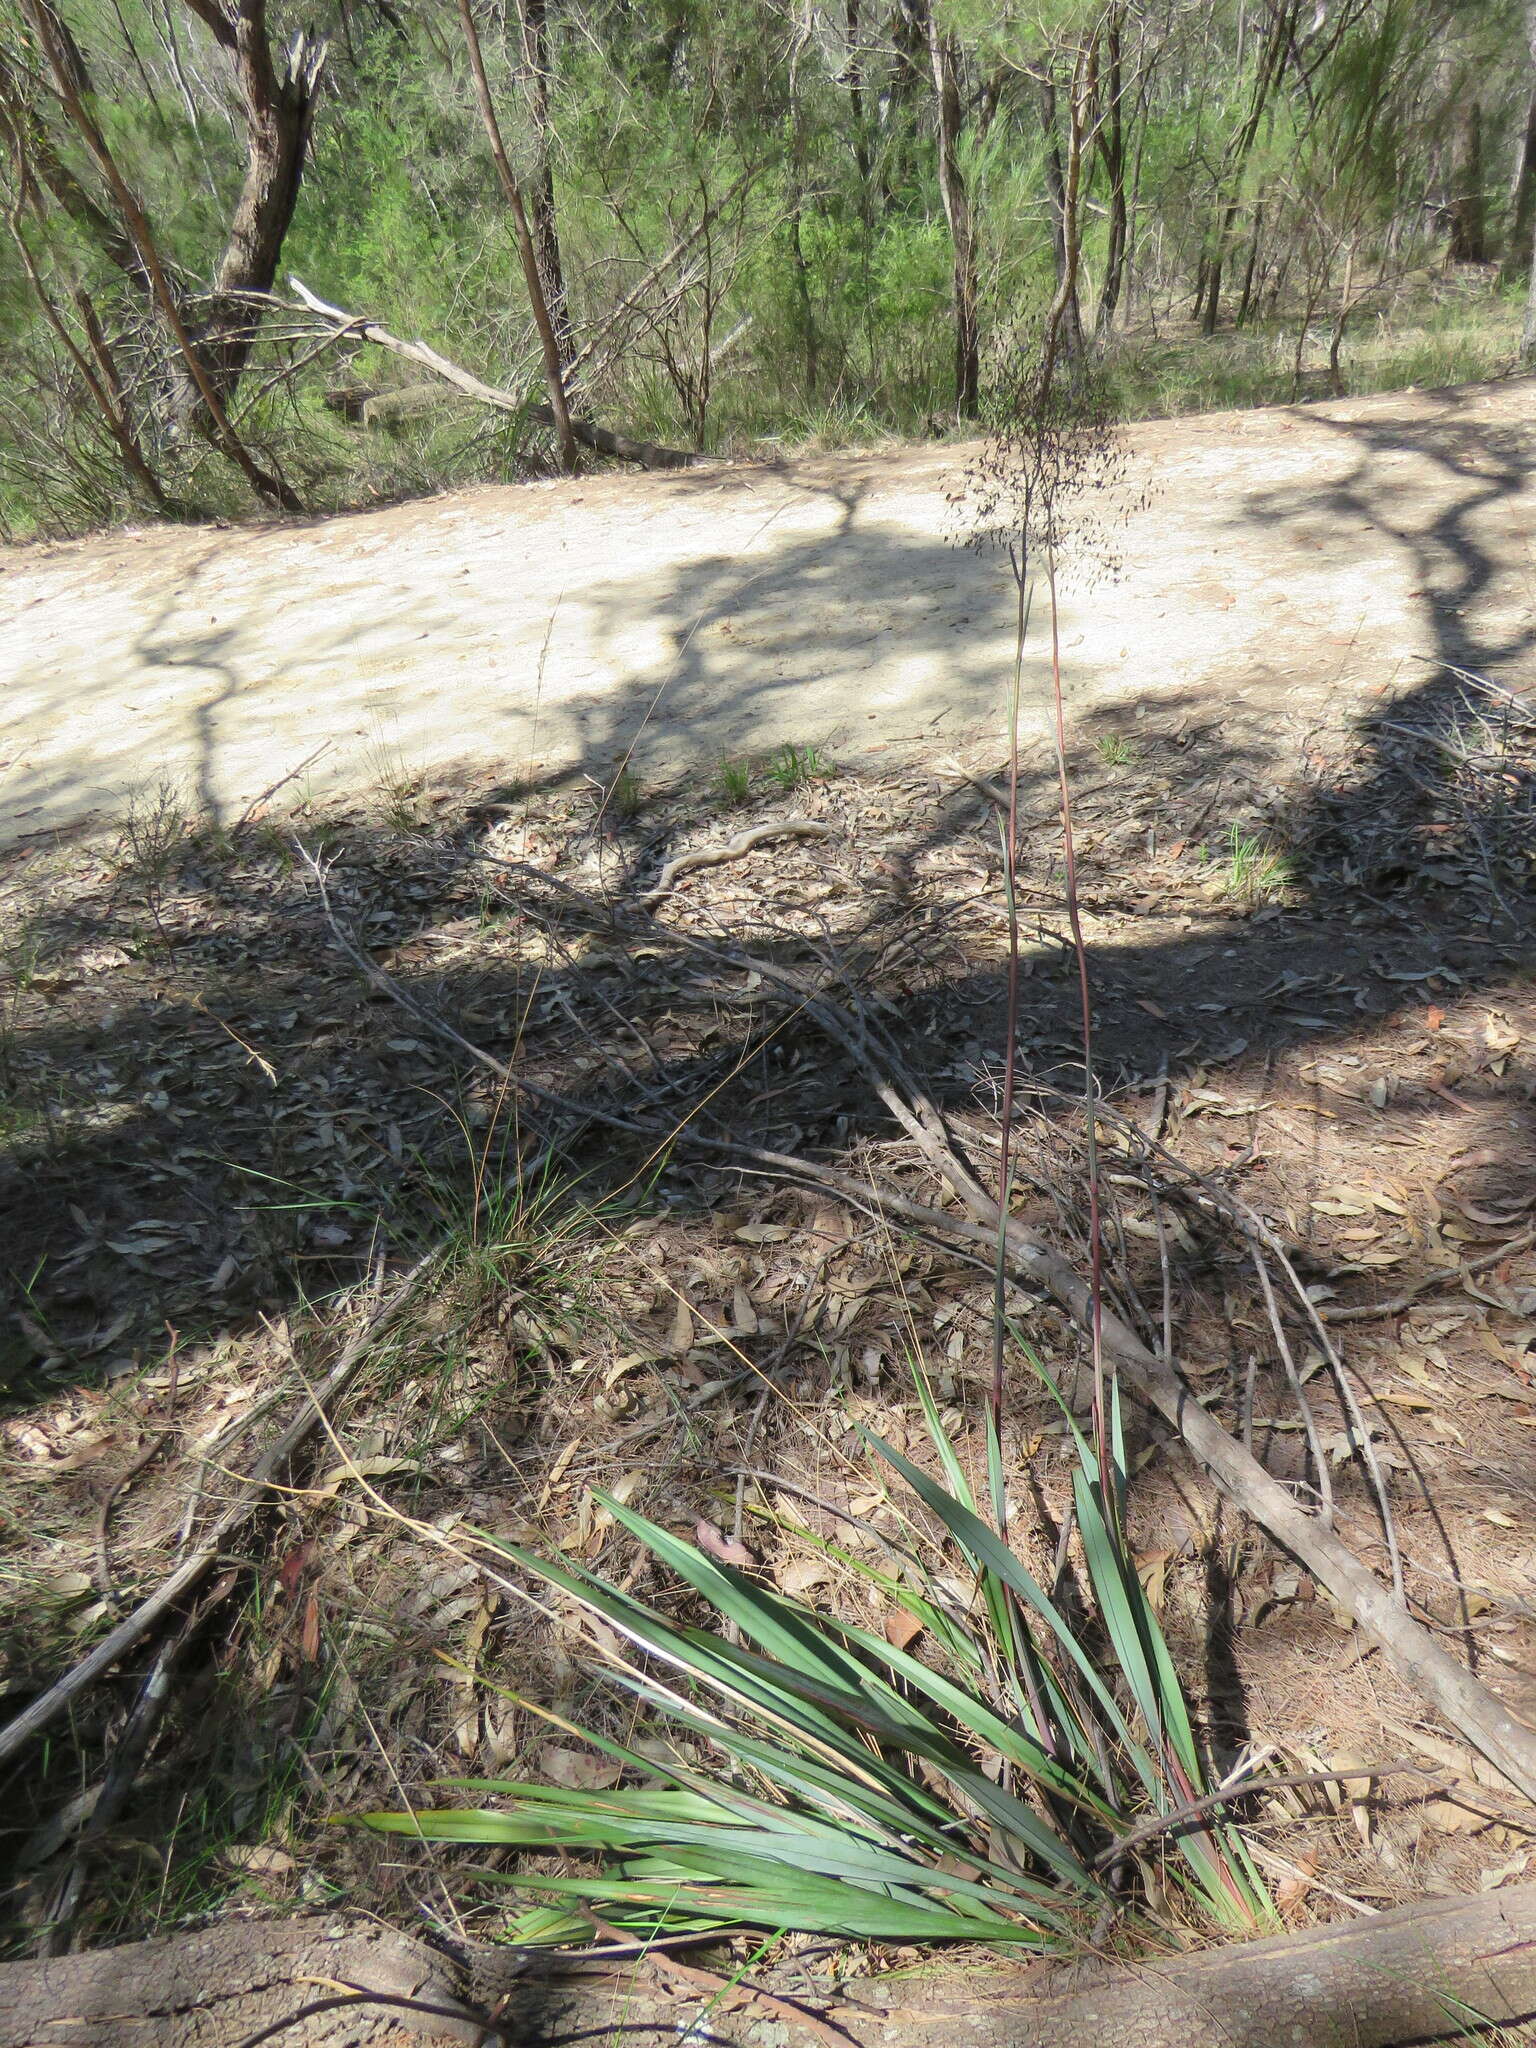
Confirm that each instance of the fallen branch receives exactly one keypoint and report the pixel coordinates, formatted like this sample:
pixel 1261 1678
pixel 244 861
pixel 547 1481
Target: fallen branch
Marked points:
pixel 1436 1970
pixel 734 849
pixel 135 1626
pixel 1397 1303
pixel 1245 1788
pixel 650 454
pixel 233 1983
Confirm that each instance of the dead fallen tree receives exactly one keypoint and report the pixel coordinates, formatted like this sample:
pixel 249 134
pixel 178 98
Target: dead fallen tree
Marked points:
pixel 649 454
pixel 1438 1969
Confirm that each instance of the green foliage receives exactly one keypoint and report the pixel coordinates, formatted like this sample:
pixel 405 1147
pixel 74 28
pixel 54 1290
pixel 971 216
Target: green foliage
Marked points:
pixel 735 780
pixel 795 176
pixel 1252 872
pixel 856 1790
pixel 793 766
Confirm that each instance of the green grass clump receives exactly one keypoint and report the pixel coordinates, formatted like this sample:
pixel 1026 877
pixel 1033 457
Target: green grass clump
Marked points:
pixel 855 1790
pixel 1251 872
pixel 791 766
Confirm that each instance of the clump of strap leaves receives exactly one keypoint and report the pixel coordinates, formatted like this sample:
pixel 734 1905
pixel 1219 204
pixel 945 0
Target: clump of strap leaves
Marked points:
pixel 981 1791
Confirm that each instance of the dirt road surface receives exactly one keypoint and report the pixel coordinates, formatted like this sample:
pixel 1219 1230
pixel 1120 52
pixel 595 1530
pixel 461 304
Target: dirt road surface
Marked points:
pixel 1276 569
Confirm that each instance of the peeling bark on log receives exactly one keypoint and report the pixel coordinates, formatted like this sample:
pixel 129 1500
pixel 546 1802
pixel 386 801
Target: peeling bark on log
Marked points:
pixel 218 1988
pixel 1432 1971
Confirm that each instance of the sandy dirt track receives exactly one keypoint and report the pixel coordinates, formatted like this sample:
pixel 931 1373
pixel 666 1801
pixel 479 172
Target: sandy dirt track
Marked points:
pixel 1286 565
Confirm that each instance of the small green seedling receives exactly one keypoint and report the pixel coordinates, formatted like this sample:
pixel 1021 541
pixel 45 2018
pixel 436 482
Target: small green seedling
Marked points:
pixel 1253 872
pixel 791 766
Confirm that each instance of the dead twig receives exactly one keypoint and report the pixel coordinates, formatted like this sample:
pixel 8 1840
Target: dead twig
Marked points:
pixel 1410 1294
pixel 734 849
pixel 1226 1795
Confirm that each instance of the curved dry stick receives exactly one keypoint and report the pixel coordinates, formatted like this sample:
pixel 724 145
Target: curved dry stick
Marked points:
pixel 734 849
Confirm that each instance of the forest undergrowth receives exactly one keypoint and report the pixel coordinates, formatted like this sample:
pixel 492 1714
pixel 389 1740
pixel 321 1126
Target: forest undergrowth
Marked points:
pixel 253 1080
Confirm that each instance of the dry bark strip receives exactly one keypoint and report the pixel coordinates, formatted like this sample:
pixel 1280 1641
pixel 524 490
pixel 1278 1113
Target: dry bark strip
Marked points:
pixel 218 1988
pixel 735 849
pixel 1435 1970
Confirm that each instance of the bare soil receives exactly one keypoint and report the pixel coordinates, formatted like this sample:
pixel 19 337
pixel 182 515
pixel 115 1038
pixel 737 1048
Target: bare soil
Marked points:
pixel 1267 568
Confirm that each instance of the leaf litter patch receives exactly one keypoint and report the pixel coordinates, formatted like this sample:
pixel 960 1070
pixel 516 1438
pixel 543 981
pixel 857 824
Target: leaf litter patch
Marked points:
pixel 214 1131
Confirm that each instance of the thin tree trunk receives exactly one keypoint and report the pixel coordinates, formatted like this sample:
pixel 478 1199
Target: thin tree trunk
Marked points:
pixel 534 23
pixel 549 346
pixel 213 419
pixel 904 93
pixel 1469 235
pixel 1272 59
pixel 1341 321
pixel 809 340
pixel 1523 196
pixel 1112 155
pixel 1250 269
pixel 957 211
pixel 1522 199
pixel 1068 321
pixel 278 105
pixel 853 78
pixel 104 388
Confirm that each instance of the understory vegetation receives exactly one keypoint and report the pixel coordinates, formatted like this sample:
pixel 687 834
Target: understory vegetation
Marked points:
pixel 658 1559
pixel 734 228
pixel 816 1358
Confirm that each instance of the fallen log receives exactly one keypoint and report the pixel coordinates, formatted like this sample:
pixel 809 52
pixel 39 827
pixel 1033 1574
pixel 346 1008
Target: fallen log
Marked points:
pixel 230 1983
pixel 1440 1969
pixel 650 454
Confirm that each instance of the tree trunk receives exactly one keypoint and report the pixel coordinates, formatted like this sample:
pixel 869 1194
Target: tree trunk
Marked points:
pixel 905 93
pixel 1069 324
pixel 1469 234
pixel 1522 200
pixel 1276 48
pixel 209 414
pixel 1440 1969
pixel 957 211
pixel 809 340
pixel 1523 221
pixel 534 23
pixel 1251 268
pixel 278 104
pixel 853 78
pixel 1112 155
pixel 549 346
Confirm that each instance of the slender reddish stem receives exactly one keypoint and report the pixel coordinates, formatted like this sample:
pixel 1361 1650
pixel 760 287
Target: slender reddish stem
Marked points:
pixel 1090 1090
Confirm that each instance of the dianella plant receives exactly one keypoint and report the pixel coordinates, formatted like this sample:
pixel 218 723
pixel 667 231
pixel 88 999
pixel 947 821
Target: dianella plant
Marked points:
pixel 1002 1779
